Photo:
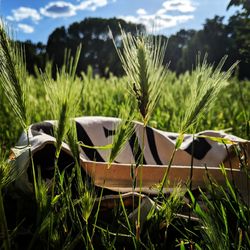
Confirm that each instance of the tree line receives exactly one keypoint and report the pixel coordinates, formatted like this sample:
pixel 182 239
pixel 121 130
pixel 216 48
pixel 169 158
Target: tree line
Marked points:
pixel 216 39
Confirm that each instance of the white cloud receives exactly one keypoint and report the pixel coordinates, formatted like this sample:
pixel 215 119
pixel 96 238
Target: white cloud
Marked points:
pixel 66 9
pixel 156 23
pixel 91 4
pixel 97 4
pixel 58 9
pixel 183 6
pixel 160 19
pixel 141 12
pixel 24 13
pixel 161 11
pixel 25 28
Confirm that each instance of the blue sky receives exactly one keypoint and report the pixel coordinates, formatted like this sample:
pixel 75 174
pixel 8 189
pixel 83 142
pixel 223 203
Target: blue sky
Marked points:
pixel 35 20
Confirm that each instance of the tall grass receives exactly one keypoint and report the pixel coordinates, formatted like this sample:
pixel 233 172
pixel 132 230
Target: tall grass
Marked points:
pixel 13 76
pixel 206 83
pixel 8 174
pixel 142 58
pixel 64 96
pixel 226 225
pixel 124 131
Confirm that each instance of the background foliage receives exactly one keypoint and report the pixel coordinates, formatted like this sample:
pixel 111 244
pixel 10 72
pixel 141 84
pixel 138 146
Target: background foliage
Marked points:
pixel 217 38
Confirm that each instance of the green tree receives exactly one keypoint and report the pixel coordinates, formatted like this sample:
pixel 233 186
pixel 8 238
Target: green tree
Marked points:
pixel 245 4
pixel 56 45
pixel 35 55
pixel 239 34
pixel 176 44
pixel 98 49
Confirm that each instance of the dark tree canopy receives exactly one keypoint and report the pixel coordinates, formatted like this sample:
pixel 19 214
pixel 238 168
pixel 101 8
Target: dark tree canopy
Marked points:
pixel 35 55
pixel 98 49
pixel 245 4
pixel 211 40
pixel 216 39
pixel 176 45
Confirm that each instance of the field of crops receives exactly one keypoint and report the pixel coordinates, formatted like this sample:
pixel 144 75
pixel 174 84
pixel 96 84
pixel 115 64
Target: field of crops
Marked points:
pixel 64 219
pixel 106 97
